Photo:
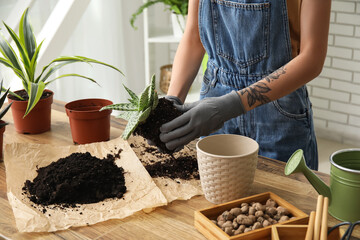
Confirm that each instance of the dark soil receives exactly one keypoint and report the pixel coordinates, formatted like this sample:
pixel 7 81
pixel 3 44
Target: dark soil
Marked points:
pixel 25 96
pixel 182 166
pixel 163 113
pixel 79 178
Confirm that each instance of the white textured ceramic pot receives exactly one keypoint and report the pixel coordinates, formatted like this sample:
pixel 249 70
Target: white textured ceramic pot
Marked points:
pixel 227 164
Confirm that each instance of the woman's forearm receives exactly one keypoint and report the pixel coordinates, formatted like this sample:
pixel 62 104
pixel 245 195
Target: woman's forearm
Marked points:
pixel 188 56
pixel 314 22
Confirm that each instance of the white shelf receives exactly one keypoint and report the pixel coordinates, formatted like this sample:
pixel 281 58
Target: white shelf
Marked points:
pixel 164 39
pixel 158 36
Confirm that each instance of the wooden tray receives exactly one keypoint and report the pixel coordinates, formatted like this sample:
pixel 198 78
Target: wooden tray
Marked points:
pixel 210 230
pixel 297 232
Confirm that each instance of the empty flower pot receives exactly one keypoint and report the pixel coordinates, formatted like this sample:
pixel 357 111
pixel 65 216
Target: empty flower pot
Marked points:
pixel 39 118
pixel 87 123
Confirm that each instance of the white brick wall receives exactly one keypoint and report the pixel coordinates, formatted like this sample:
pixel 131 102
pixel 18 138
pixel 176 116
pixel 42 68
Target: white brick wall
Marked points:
pixel 335 94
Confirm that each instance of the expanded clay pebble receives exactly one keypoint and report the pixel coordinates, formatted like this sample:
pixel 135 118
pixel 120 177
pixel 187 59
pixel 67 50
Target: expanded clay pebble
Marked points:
pixel 248 217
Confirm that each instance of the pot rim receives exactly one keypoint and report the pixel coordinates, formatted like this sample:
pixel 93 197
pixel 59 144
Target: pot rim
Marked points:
pixel 341 167
pixel 45 90
pixel 69 106
pixel 256 148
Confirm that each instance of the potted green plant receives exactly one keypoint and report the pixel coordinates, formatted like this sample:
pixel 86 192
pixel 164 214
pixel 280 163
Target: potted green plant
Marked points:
pixel 34 99
pixel 145 114
pixel 2 113
pixel 179 9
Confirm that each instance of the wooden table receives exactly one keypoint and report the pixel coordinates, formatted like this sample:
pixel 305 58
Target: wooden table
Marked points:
pixel 174 221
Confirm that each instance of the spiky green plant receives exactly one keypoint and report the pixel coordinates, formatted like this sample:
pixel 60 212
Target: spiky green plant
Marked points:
pixel 24 63
pixel 179 7
pixel 2 100
pixel 138 109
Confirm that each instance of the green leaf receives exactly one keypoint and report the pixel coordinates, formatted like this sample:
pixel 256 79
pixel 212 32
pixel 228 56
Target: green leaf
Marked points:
pixel 131 126
pixel 121 107
pixel 82 59
pixel 3 124
pixel 23 54
pixel 33 62
pixel 152 89
pixel 35 94
pixel 9 53
pixel 125 115
pixel 4 111
pixel 27 36
pixel 69 75
pixel 156 100
pixel 144 99
pixel 144 115
pixel 134 98
pixel 141 9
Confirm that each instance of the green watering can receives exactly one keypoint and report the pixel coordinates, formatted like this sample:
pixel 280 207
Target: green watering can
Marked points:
pixel 344 190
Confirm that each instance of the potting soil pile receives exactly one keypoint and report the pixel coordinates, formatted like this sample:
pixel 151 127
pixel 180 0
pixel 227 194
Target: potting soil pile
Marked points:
pixel 77 178
pixel 53 188
pixel 177 175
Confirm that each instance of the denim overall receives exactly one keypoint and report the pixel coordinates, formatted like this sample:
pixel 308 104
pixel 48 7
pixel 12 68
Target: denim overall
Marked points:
pixel 247 40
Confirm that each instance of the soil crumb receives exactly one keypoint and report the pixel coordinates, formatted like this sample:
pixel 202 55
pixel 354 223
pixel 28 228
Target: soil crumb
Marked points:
pixel 163 113
pixel 180 165
pixel 79 178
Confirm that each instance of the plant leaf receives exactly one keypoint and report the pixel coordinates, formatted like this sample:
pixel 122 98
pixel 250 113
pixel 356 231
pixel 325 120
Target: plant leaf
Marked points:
pixel 26 33
pixel 4 111
pixel 69 75
pixel 121 107
pixel 9 53
pixel 152 89
pixel 144 99
pixel 35 94
pixel 133 96
pixel 144 115
pixel 156 100
pixel 33 62
pixel 141 9
pixel 125 115
pixel 23 54
pixel 131 125
pixel 82 59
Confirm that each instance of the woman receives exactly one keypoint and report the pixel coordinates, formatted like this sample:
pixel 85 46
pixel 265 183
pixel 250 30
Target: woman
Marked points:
pixel 261 55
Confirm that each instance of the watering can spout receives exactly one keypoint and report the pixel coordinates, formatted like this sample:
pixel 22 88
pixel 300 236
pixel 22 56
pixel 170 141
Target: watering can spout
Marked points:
pixel 296 163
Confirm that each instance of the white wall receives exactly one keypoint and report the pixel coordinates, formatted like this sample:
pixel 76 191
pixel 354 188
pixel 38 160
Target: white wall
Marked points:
pixel 104 33
pixel 335 94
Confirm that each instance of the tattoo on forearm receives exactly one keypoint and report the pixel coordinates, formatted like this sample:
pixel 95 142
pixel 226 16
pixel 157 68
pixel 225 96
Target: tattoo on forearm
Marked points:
pixel 256 92
pixel 275 75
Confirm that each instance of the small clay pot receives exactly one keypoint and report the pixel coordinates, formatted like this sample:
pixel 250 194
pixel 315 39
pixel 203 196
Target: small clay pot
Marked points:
pixel 87 123
pixel 39 118
pixel 2 130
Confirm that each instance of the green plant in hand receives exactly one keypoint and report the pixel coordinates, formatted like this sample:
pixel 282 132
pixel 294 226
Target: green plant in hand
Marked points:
pixel 2 100
pixel 24 62
pixel 138 109
pixel 179 7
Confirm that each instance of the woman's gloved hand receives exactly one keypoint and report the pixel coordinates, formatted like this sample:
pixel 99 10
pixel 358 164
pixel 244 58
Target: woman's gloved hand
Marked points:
pixel 177 103
pixel 200 119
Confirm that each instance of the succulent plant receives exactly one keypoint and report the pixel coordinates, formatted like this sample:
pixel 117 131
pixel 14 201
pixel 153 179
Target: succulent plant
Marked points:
pixel 2 100
pixel 24 63
pixel 138 109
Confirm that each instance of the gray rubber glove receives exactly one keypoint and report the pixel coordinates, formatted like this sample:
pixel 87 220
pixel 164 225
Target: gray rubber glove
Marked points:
pixel 200 119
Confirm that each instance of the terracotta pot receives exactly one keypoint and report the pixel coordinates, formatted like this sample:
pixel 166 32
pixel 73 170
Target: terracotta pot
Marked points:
pixel 87 123
pixel 38 120
pixel 2 130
